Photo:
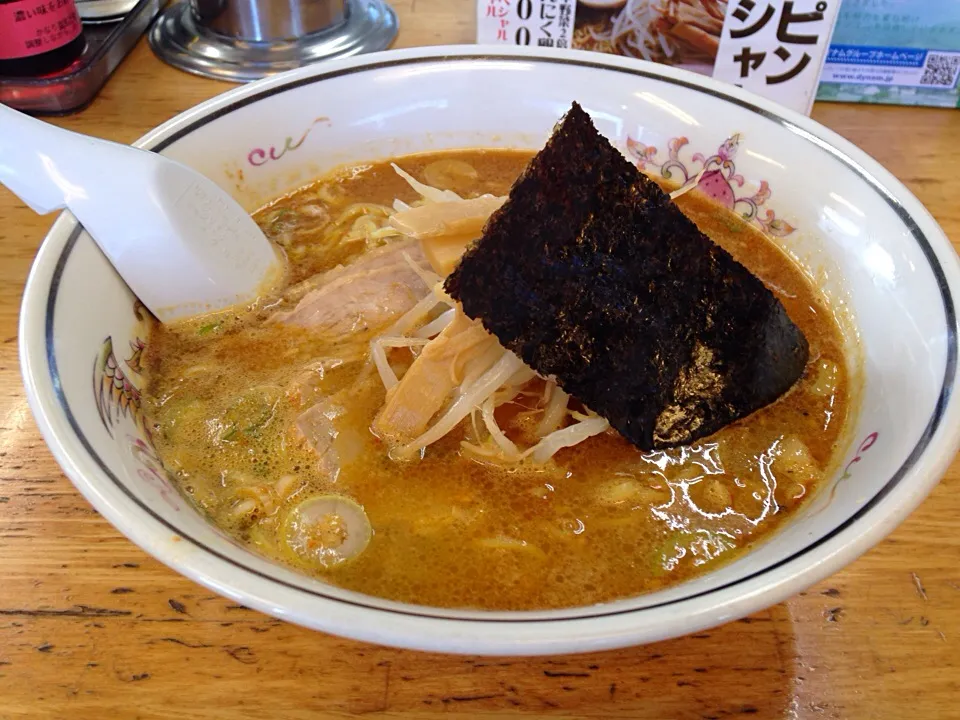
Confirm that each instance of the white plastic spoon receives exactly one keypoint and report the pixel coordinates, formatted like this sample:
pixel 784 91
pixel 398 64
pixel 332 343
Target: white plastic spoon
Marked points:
pixel 181 243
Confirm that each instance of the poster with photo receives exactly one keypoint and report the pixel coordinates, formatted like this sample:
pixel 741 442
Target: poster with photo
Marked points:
pixel 774 48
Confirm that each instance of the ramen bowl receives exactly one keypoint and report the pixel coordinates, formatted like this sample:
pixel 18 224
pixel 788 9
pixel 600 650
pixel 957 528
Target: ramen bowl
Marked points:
pixel 887 268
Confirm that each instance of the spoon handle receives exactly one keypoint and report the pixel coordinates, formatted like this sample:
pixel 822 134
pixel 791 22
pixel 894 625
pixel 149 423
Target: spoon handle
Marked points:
pixel 178 239
pixel 29 151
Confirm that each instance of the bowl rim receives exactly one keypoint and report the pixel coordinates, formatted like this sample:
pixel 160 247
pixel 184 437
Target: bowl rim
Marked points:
pixel 922 468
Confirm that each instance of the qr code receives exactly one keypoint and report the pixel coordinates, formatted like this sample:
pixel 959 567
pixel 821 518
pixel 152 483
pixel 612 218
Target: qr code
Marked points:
pixel 940 70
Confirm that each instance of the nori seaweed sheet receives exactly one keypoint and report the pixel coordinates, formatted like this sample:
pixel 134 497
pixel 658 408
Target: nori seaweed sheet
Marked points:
pixel 593 276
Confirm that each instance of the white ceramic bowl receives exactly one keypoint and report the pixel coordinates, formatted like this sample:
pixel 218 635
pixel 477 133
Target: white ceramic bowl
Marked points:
pixel 879 254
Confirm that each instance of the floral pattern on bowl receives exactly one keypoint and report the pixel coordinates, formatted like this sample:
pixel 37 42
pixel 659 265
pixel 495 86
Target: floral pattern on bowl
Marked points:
pixel 716 176
pixel 118 401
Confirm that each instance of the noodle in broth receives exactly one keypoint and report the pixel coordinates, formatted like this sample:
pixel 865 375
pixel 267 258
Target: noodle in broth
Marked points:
pixel 263 418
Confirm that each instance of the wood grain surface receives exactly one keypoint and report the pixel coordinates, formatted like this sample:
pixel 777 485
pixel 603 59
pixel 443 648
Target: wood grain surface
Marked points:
pixel 91 627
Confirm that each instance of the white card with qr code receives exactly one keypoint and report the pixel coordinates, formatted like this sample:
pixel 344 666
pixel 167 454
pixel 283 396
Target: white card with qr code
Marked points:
pixel 543 23
pixel 908 67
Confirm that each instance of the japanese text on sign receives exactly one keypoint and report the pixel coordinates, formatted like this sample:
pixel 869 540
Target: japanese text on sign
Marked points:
pixel 32 27
pixel 775 49
pixel 544 23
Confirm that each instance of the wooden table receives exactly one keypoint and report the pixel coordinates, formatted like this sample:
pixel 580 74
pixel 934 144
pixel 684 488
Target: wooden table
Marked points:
pixel 91 627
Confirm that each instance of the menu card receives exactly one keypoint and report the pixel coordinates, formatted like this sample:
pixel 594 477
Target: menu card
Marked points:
pixel 775 48
pixel 900 52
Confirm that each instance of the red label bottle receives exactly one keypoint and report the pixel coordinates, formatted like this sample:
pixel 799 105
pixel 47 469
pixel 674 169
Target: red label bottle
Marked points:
pixel 38 36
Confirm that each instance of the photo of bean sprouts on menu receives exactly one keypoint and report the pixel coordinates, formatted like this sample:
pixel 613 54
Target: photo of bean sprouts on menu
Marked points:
pixel 685 33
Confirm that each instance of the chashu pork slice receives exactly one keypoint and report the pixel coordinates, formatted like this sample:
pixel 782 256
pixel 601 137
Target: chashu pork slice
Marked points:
pixel 368 293
pixel 592 275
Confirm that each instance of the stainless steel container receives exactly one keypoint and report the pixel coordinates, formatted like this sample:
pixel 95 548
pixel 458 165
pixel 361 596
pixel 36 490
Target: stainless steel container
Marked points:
pixel 241 40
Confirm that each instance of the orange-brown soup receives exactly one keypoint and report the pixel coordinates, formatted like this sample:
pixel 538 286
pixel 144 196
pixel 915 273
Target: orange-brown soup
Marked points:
pixel 599 521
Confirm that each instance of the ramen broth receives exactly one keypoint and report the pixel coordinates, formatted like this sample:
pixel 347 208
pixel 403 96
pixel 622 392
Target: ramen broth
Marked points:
pixel 599 521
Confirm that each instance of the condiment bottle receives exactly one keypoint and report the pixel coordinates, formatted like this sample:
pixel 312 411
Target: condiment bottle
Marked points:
pixel 38 37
